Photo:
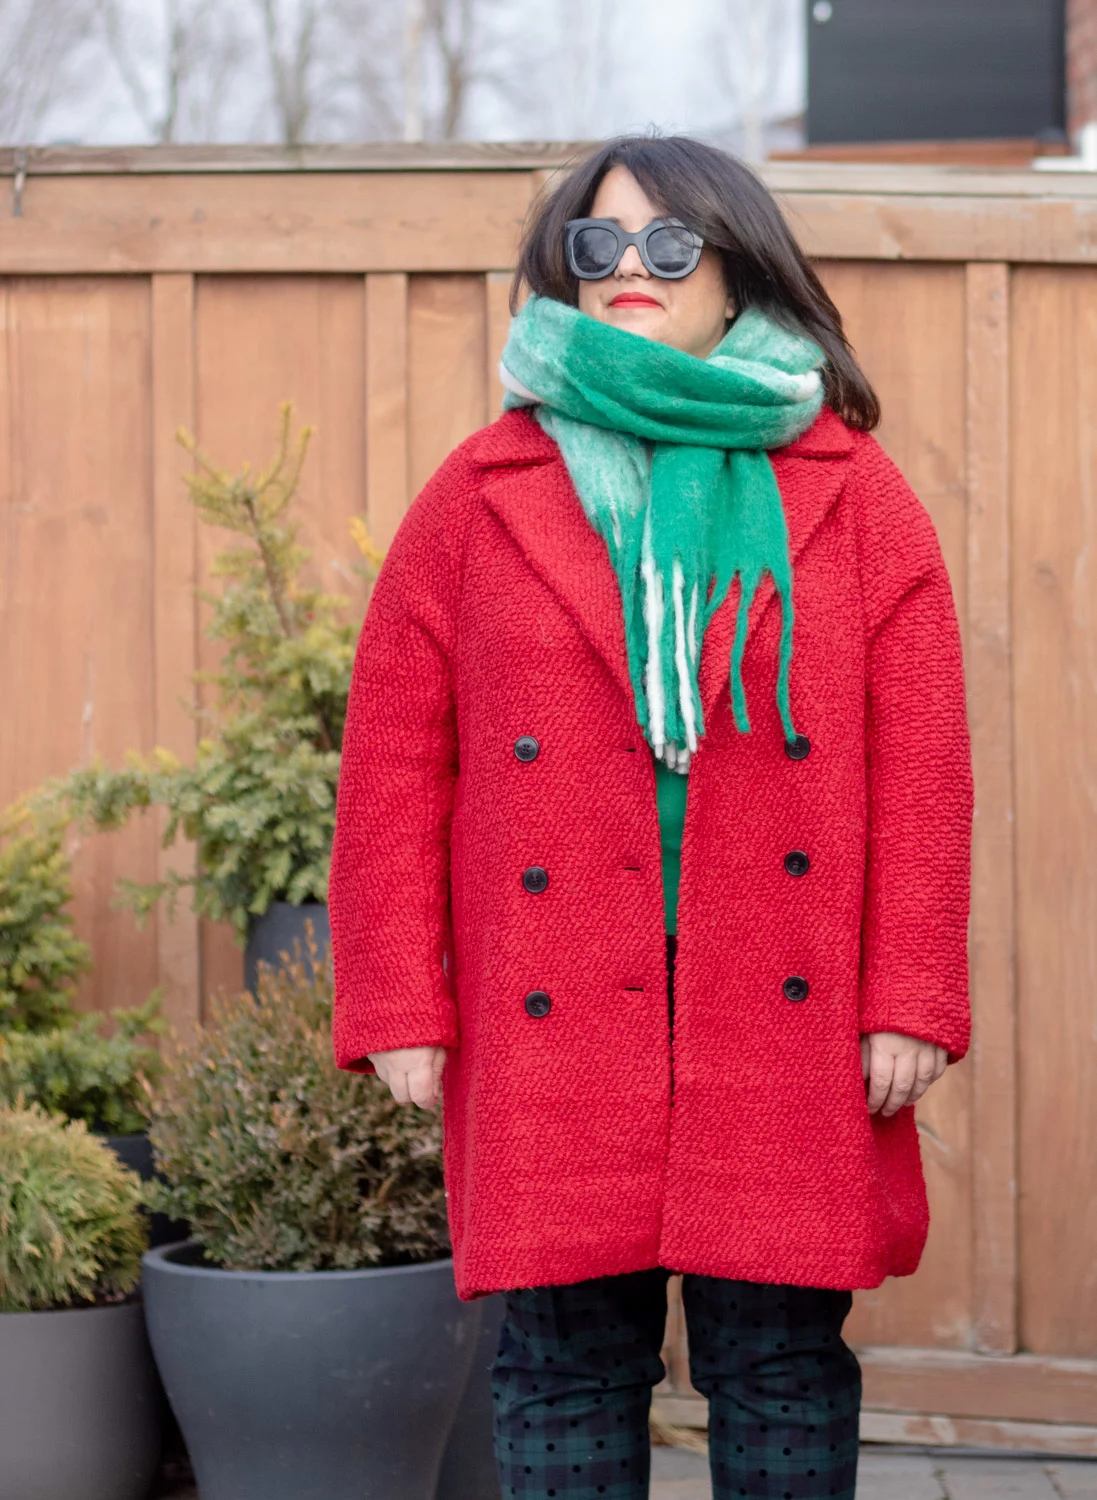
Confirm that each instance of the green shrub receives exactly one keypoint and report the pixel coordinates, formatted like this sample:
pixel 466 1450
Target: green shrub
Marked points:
pixel 79 1072
pixel 40 956
pixel 259 800
pixel 280 1160
pixel 71 1229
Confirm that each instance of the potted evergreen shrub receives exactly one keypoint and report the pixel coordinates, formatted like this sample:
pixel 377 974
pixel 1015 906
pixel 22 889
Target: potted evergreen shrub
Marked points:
pixel 82 1071
pixel 40 955
pixel 259 799
pixel 80 1409
pixel 309 1336
pixel 93 1068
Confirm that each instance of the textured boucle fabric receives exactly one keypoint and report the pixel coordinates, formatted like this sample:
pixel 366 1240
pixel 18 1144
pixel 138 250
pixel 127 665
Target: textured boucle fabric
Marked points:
pixel 496 615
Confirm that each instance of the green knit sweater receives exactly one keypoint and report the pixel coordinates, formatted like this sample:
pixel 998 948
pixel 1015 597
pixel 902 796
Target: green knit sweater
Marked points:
pixel 670 794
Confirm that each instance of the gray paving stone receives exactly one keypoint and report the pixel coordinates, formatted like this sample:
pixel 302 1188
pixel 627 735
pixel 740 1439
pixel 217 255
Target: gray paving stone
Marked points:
pixel 896 1476
pixel 1074 1480
pixel 678 1475
pixel 884 1475
pixel 681 1489
pixel 995 1479
pixel 677 1463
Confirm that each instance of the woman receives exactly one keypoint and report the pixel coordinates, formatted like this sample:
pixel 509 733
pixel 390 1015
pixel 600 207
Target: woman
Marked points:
pixel 591 767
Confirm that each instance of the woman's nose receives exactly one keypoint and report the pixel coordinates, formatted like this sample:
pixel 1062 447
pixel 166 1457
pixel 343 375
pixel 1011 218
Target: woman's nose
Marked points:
pixel 630 263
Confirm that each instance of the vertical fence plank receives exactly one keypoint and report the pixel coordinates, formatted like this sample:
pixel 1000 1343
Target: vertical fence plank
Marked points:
pixel 497 294
pixel 76 648
pixel 260 341
pixel 174 611
pixel 447 359
pixel 387 488
pixel 907 324
pixel 989 670
pixel 1053 484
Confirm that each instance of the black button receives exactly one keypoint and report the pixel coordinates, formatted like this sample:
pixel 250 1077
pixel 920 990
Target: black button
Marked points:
pixel 538 1003
pixel 795 988
pixel 535 879
pixel 526 747
pixel 797 862
pixel 798 748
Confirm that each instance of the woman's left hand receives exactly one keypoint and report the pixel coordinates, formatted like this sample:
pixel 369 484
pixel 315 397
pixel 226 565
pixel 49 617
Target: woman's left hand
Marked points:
pixel 898 1069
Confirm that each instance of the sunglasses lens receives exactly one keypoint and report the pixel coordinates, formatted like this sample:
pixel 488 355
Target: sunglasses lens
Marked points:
pixel 594 250
pixel 671 250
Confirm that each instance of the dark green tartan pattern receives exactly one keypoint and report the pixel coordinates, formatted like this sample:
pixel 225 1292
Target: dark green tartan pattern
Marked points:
pixel 576 1364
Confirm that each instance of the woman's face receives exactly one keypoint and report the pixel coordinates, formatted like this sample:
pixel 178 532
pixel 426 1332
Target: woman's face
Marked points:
pixel 690 314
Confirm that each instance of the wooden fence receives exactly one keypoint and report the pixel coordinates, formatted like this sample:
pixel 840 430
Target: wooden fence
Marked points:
pixel 144 289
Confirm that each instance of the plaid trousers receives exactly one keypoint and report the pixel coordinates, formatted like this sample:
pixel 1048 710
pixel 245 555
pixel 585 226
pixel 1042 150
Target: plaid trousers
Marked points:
pixel 576 1364
pixel 572 1382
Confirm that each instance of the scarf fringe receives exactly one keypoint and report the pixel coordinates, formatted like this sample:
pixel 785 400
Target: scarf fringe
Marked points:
pixel 685 685
pixel 653 619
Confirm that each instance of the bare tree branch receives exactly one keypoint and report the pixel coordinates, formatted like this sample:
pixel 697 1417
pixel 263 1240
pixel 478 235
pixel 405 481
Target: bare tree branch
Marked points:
pixel 170 58
pixel 116 36
pixel 40 44
pixel 291 43
pixel 450 25
pixel 751 40
pixel 475 46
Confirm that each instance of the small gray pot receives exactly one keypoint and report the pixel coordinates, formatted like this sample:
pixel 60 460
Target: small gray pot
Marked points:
pixel 135 1152
pixel 81 1414
pixel 302 1385
pixel 273 934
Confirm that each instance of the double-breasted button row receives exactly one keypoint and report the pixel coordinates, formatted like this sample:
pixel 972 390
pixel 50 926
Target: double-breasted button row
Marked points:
pixel 534 879
pixel 539 1003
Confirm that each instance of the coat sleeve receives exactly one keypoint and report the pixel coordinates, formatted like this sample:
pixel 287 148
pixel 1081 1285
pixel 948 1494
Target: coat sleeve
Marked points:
pixel 914 965
pixel 388 894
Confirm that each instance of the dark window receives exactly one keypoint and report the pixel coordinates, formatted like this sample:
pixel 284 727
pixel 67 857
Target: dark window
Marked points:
pixel 909 70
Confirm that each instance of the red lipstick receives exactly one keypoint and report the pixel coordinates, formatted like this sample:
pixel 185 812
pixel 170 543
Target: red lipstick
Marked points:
pixel 633 299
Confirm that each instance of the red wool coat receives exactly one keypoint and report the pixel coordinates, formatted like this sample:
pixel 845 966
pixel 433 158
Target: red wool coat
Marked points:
pixel 496 616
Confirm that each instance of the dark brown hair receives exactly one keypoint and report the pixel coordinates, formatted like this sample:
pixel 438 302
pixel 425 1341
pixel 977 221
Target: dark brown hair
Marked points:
pixel 719 197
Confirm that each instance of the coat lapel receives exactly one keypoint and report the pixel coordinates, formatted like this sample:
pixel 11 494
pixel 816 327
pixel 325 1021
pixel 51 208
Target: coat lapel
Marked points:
pixel 531 492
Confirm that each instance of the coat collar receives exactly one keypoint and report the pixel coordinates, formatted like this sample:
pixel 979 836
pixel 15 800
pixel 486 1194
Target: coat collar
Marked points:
pixel 528 487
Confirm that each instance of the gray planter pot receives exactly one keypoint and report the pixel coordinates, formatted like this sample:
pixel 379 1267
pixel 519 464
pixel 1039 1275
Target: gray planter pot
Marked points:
pixel 273 934
pixel 327 1385
pixel 81 1414
pixel 468 1467
pixel 135 1152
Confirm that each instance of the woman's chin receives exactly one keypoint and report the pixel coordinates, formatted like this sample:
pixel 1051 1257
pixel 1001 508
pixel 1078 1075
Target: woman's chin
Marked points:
pixel 646 320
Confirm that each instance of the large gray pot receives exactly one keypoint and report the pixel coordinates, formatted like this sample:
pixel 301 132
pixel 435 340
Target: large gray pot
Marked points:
pixel 299 1385
pixel 468 1468
pixel 81 1414
pixel 273 934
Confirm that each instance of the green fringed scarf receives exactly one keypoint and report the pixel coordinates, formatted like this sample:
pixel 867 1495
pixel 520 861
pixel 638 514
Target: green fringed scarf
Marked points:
pixel 668 455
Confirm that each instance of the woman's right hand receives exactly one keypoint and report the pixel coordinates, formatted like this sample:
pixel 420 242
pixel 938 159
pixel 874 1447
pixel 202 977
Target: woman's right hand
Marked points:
pixel 414 1074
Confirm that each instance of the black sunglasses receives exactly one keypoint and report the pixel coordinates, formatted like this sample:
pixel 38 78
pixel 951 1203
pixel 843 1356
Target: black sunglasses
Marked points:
pixel 594 247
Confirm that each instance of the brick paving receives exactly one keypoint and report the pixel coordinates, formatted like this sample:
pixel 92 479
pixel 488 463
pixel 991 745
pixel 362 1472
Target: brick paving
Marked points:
pixel 884 1474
